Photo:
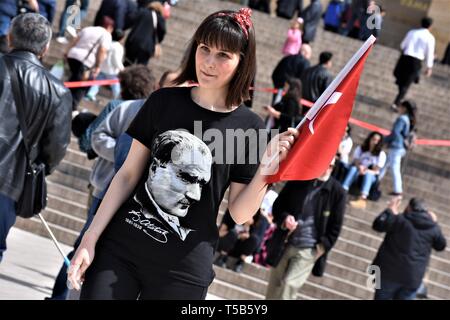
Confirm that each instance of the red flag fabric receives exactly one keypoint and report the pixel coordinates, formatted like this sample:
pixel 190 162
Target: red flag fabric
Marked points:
pixel 324 125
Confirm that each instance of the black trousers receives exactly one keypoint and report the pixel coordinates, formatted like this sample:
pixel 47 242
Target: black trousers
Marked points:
pixel 136 56
pixel 406 72
pixel 111 277
pixel 76 74
pixel 402 90
pixel 234 247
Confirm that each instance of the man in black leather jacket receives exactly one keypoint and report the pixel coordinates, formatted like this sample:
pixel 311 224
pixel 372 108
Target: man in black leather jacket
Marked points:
pixel 317 78
pixel 45 97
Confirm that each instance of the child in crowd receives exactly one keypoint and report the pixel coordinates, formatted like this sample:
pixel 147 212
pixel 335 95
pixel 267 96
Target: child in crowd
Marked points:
pixel 293 41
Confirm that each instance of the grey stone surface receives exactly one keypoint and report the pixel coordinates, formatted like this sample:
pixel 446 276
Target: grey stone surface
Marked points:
pixel 29 266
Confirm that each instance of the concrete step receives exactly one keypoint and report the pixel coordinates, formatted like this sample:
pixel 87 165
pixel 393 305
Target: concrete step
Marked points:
pixel 63 220
pixel 368 253
pixel 67 193
pixel 35 226
pixel 74 169
pixel 226 290
pixel 78 157
pixel 73 208
pixel 69 181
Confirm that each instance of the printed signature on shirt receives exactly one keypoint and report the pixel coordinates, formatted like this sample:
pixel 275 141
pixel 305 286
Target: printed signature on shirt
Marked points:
pixel 139 221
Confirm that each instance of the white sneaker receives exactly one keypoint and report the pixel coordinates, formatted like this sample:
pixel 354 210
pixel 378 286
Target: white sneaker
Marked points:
pixel 62 40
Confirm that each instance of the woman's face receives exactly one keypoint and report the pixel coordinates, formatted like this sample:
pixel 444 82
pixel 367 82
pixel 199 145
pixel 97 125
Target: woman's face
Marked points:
pixel 214 67
pixel 402 109
pixel 374 141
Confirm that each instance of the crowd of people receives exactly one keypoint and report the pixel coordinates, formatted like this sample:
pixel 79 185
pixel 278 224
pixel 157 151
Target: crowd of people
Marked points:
pixel 156 188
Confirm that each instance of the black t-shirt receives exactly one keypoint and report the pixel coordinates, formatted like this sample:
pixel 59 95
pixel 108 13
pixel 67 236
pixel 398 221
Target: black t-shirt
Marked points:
pixel 182 247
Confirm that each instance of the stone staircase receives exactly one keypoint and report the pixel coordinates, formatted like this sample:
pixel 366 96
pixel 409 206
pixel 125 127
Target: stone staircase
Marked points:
pixel 427 172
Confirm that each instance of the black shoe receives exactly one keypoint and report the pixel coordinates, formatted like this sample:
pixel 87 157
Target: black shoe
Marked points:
pixel 239 266
pixel 221 261
pixel 395 194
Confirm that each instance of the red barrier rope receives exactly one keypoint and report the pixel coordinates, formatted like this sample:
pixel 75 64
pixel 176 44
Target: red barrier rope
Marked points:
pixel 89 83
pixel 306 103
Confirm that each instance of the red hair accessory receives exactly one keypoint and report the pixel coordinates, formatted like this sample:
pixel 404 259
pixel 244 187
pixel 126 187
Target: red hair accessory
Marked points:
pixel 242 17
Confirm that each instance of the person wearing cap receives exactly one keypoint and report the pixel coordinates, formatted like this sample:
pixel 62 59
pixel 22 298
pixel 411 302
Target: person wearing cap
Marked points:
pixel 406 249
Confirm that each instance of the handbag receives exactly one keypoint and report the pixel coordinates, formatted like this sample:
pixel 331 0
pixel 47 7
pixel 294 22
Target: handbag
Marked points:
pixel 86 74
pixel 33 198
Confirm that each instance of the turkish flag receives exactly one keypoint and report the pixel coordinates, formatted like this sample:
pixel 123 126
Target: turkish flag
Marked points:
pixel 321 131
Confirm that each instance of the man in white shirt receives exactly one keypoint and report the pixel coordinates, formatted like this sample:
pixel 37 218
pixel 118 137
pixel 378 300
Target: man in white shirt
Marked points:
pixel 418 45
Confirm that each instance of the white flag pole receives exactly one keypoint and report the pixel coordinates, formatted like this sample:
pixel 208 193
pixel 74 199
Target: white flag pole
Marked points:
pixel 334 84
pixel 66 260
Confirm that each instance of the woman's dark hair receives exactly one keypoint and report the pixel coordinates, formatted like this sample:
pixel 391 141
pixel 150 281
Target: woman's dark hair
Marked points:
pixel 411 110
pixel 325 57
pixel 295 89
pixel 164 76
pixel 224 33
pixel 137 82
pixel 366 144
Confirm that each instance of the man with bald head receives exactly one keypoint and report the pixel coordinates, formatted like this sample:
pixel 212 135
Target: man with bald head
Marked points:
pixel 290 67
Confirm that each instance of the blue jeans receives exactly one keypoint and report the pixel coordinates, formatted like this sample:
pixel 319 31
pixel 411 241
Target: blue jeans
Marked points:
pixel 8 218
pixel 368 180
pixel 5 22
pixel 394 291
pixel 114 87
pixel 47 10
pixel 60 290
pixel 63 19
pixel 394 160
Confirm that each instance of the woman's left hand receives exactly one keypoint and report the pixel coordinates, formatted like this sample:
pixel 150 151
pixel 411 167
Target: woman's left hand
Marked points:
pixel 277 150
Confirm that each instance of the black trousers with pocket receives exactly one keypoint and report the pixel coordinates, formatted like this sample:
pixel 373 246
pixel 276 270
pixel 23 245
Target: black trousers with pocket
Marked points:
pixel 111 277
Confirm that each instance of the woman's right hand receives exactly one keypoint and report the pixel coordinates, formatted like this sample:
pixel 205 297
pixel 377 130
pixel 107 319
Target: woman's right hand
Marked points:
pixel 81 261
pixel 277 150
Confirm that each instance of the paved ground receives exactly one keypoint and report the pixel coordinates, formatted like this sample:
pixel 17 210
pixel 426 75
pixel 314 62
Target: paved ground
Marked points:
pixel 30 266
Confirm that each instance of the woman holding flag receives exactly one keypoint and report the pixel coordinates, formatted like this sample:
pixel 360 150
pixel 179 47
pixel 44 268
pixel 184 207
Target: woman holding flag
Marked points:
pixel 155 232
